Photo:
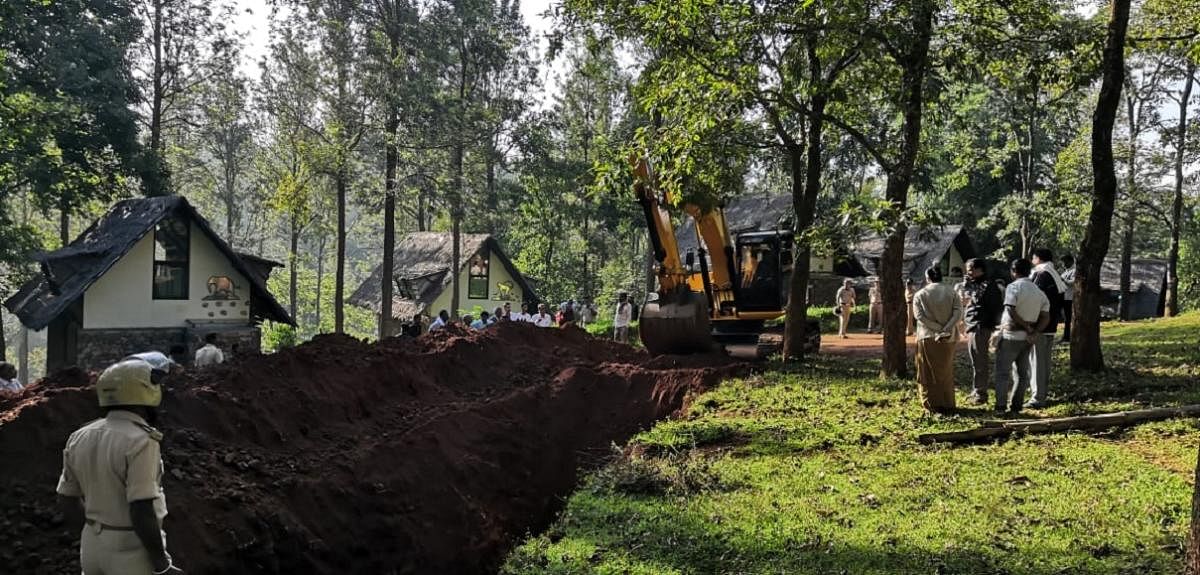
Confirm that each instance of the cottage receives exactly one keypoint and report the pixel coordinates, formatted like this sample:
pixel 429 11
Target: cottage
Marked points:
pixel 148 275
pixel 1147 287
pixel 760 213
pixel 422 278
pixel 946 248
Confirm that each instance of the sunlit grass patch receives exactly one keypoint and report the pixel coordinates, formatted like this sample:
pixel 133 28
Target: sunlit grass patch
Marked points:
pixel 816 470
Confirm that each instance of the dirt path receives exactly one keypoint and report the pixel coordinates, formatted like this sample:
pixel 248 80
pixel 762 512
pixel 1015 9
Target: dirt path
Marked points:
pixel 865 345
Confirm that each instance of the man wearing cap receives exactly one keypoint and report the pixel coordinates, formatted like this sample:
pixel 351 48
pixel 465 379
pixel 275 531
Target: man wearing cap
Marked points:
pixel 111 483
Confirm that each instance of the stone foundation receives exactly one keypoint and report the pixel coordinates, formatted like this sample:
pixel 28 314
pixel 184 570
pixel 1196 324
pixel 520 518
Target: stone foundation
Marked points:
pixel 99 348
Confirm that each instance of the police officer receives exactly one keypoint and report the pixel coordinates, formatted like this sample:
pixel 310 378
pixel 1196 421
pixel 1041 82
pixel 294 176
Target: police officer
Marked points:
pixel 111 482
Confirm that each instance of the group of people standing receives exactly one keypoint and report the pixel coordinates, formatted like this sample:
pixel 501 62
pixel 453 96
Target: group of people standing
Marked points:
pixel 1018 321
pixel 568 313
pixel 1010 329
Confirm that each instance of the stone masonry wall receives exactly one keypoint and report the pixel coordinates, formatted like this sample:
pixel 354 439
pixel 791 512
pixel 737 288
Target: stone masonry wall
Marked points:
pixel 99 348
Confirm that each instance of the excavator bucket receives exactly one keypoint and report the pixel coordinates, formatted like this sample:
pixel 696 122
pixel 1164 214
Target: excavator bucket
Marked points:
pixel 676 327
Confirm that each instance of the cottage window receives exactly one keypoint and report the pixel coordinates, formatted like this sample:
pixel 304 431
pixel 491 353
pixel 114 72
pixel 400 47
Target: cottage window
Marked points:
pixel 171 248
pixel 477 279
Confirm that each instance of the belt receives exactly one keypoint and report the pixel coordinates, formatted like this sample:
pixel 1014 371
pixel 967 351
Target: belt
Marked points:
pixel 107 527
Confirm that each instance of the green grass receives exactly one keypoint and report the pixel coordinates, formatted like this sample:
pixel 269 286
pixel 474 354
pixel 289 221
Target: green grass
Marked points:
pixel 816 469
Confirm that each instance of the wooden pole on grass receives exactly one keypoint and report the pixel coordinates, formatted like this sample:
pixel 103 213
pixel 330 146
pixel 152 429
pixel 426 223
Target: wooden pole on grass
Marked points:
pixel 1001 428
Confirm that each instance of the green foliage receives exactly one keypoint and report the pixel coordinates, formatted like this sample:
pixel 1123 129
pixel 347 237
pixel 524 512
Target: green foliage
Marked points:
pixel 278 336
pixel 816 469
pixel 67 129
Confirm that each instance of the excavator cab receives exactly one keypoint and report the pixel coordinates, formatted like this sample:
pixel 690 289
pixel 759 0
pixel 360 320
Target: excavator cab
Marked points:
pixel 764 262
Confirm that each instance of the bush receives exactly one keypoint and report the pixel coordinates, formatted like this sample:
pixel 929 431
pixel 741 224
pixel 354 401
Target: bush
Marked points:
pixel 278 336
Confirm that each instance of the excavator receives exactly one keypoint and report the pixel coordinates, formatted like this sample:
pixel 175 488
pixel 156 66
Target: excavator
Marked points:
pixel 720 295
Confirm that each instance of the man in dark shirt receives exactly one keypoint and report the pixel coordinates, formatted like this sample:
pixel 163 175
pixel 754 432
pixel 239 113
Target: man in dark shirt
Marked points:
pixel 1046 277
pixel 981 315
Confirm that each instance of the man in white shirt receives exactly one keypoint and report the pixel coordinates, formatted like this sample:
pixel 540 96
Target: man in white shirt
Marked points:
pixel 622 318
pixel 541 318
pixel 1068 276
pixel 440 321
pixel 210 354
pixel 521 314
pixel 1026 314
pixel 8 378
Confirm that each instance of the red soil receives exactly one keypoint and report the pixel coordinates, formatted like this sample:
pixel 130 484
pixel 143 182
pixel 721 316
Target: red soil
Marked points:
pixel 426 456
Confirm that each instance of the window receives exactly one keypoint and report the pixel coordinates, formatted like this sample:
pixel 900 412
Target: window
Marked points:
pixel 477 279
pixel 171 239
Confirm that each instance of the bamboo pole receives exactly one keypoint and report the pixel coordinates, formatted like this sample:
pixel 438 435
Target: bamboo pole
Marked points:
pixel 1001 428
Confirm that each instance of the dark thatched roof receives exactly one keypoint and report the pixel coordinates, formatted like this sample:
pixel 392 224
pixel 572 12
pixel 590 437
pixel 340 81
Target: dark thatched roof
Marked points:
pixel 755 213
pixel 422 272
pixel 1148 272
pixel 923 248
pixel 68 273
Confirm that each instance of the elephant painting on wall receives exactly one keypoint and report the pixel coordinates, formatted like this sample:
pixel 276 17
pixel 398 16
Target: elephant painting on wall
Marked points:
pixel 221 288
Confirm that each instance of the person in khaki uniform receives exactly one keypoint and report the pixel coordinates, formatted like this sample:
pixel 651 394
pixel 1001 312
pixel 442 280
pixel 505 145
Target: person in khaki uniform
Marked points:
pixel 111 483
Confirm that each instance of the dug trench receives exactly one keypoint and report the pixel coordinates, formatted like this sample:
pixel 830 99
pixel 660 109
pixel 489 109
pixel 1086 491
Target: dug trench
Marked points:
pixel 433 455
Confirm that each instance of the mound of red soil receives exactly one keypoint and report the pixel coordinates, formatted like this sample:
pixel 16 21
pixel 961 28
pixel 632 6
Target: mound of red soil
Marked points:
pixel 407 456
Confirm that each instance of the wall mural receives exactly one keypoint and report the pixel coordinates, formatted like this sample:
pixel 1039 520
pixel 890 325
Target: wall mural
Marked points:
pixel 221 288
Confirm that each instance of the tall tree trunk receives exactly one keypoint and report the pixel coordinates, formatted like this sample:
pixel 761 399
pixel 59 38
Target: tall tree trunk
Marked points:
pixel 64 225
pixel 421 210
pixel 493 195
pixel 891 265
pixel 1172 304
pixel 1086 354
pixel 339 282
pixel 587 252
pixel 23 355
pixel 293 262
pixel 320 278
pixel 3 340
pixel 456 214
pixel 156 187
pixel 391 158
pixel 1125 305
pixel 804 180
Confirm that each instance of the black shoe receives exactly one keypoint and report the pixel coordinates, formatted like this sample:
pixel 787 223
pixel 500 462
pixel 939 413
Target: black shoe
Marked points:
pixel 1001 410
pixel 977 399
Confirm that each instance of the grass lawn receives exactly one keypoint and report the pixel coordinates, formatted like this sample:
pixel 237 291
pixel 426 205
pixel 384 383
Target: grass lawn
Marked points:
pixel 816 469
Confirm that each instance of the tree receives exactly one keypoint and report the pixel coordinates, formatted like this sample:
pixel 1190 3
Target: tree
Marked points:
pixel 479 44
pixel 334 76
pixel 172 57
pixel 214 158
pixel 394 47
pixel 70 135
pixel 1086 354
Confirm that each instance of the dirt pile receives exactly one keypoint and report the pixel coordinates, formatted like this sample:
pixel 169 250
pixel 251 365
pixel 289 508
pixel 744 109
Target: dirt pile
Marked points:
pixel 425 456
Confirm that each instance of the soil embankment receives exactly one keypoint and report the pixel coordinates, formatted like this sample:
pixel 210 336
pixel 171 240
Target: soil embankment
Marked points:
pixel 407 456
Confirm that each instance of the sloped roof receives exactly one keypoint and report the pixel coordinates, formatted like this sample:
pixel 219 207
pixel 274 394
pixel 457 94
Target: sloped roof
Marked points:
pixel 923 248
pixel 752 213
pixel 1148 272
pixel 68 273
pixel 421 264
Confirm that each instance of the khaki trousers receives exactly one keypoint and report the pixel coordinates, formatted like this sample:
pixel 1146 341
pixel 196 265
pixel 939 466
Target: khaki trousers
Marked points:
pixel 875 319
pixel 844 319
pixel 112 552
pixel 935 374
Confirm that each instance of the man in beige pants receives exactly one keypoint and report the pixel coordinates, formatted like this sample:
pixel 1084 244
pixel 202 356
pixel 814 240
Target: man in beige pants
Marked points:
pixel 845 300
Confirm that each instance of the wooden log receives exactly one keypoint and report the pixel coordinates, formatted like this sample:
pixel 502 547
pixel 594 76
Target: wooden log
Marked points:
pixel 993 429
